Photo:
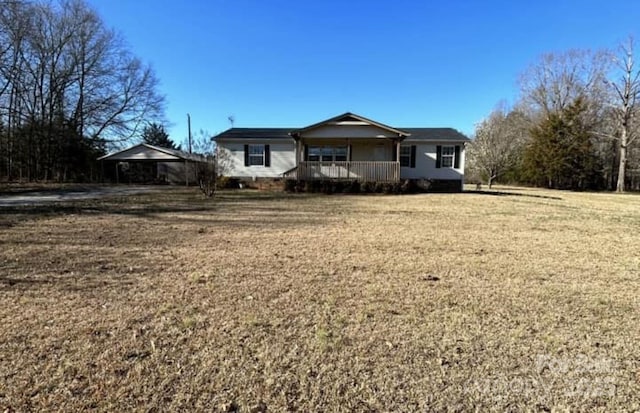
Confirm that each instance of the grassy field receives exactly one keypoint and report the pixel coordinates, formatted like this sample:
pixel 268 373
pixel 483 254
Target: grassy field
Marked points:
pixel 258 302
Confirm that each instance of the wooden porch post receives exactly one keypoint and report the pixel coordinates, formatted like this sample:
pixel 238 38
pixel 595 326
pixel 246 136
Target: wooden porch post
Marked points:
pixel 299 151
pixel 117 174
pixel 397 160
pixel 348 158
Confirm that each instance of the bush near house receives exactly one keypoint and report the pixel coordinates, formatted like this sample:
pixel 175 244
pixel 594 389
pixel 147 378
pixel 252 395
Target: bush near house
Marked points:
pixel 408 186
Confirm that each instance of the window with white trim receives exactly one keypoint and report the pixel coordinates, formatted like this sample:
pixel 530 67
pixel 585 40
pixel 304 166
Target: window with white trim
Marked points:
pixel 256 155
pixel 314 153
pixel 447 156
pixel 405 156
pixel 327 153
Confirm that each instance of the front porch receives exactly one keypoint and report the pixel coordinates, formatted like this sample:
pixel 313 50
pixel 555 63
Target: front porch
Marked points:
pixel 364 171
pixel 348 147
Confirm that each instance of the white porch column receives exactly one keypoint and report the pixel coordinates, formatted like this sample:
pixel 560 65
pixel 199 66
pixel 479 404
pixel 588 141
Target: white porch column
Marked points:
pixel 299 152
pixel 348 158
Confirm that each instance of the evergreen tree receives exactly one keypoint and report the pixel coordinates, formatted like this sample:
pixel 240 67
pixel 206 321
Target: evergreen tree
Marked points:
pixel 154 134
pixel 561 153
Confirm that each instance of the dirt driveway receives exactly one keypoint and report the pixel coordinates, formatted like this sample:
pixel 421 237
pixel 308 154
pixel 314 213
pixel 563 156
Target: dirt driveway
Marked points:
pixel 45 196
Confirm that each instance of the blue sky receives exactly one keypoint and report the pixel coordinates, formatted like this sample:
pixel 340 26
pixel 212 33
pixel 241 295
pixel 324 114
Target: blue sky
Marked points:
pixel 405 63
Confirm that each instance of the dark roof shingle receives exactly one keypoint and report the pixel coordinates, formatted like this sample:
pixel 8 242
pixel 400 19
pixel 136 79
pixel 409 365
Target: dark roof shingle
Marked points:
pixel 255 133
pixel 435 134
pixel 426 134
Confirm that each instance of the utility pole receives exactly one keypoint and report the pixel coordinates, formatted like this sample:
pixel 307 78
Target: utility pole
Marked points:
pixel 189 127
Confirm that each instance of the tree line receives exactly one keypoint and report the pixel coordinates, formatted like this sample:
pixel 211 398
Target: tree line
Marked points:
pixel 574 125
pixel 70 88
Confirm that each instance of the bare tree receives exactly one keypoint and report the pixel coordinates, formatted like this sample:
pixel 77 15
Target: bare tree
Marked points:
pixel 201 143
pixel 625 108
pixel 217 162
pixel 207 176
pixel 68 87
pixel 558 79
pixel 207 170
pixel 15 26
pixel 498 143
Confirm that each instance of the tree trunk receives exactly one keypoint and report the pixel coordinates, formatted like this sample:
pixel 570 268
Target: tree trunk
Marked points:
pixel 623 161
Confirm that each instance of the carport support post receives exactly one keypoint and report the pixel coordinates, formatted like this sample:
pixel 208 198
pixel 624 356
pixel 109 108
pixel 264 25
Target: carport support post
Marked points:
pixel 117 175
pixel 186 172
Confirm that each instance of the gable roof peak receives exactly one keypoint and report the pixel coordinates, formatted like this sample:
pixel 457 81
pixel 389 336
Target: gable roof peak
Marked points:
pixel 353 116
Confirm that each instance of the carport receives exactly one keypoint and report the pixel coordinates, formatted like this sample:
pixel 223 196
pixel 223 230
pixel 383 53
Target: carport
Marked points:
pixel 144 163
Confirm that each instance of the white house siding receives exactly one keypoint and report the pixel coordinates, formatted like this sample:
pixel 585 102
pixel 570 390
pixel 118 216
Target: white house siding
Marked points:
pixel 283 158
pixel 426 163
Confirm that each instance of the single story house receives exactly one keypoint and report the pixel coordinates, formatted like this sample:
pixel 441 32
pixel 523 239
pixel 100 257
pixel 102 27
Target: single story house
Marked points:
pixel 144 163
pixel 347 146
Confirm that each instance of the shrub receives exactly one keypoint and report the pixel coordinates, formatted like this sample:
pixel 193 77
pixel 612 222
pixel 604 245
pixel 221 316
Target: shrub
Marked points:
pixel 353 187
pixel 326 187
pixel 227 182
pixel 379 188
pixel 329 186
pixel 368 187
pixel 409 186
pixel 313 186
pixel 290 185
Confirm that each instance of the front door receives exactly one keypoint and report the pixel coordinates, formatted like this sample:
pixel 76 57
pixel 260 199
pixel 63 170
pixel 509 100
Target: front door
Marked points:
pixel 379 152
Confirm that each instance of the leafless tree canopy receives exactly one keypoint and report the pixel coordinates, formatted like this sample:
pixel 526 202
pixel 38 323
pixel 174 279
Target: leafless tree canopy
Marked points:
pixel 498 143
pixel 69 87
pixel 625 88
pixel 605 85
pixel 556 80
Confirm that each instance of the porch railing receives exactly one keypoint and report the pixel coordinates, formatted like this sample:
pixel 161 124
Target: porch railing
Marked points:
pixel 366 171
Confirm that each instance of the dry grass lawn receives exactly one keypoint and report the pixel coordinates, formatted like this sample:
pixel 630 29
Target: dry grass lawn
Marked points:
pixel 258 302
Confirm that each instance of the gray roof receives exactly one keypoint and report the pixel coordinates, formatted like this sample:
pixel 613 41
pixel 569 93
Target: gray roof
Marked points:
pixel 435 134
pixel 255 133
pixel 423 134
pixel 173 152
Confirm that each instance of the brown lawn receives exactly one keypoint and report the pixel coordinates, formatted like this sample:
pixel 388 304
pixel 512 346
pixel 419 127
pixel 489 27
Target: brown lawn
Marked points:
pixel 259 302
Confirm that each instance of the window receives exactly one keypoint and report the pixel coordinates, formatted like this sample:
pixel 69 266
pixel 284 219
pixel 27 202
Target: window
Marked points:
pixel 448 155
pixel 327 153
pixel 405 156
pixel 314 153
pixel 256 155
